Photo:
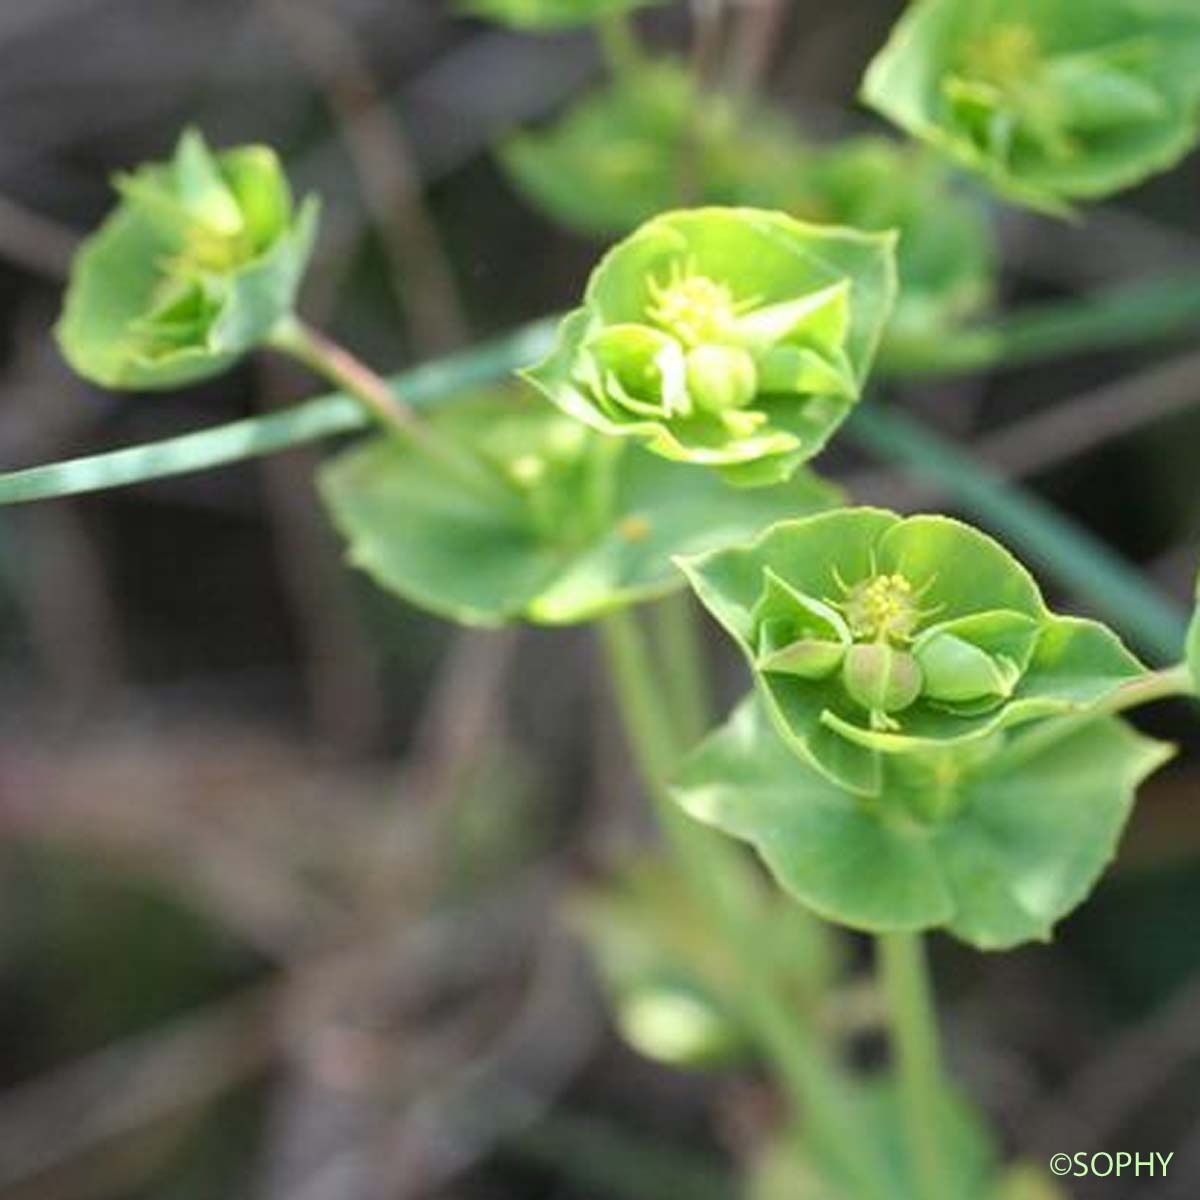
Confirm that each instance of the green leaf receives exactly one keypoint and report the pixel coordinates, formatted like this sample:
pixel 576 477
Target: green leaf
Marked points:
pixel 590 530
pixel 544 15
pixel 200 260
pixel 1050 102
pixel 988 655
pixel 804 305
pixel 1022 844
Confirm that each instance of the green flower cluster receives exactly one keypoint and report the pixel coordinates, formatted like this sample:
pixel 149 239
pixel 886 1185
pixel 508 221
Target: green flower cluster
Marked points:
pixel 875 637
pixel 198 263
pixel 1053 101
pixel 735 338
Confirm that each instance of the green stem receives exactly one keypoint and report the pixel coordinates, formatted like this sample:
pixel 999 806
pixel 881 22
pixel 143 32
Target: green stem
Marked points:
pixel 904 974
pixel 336 364
pixel 1158 685
pixel 622 51
pixel 812 1079
pixel 1125 316
pixel 682 656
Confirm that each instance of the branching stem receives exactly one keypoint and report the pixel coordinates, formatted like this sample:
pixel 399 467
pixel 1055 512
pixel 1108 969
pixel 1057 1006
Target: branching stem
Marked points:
pixel 348 373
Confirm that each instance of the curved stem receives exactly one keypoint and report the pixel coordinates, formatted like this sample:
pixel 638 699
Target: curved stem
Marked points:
pixel 904 974
pixel 1158 685
pixel 811 1077
pixel 327 358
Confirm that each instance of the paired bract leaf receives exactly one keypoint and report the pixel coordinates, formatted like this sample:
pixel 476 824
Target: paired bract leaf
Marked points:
pixel 201 258
pixel 549 14
pixel 1051 100
pixel 725 337
pixel 590 528
pixel 1017 839
pixel 933 639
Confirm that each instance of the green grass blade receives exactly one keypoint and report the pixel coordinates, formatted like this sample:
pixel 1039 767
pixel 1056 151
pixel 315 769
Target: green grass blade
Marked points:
pixel 257 436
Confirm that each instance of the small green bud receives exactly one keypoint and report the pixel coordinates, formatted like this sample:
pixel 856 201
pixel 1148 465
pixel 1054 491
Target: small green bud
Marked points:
pixel 721 377
pixel 956 672
pixel 881 678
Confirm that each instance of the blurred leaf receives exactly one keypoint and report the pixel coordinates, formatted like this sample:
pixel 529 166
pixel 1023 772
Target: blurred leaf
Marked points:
pixel 632 149
pixel 1050 102
pixel 555 557
pixel 946 254
pixel 1032 828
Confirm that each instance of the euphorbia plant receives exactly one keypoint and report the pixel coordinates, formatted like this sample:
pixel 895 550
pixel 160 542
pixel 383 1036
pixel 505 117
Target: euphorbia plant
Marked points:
pixel 927 745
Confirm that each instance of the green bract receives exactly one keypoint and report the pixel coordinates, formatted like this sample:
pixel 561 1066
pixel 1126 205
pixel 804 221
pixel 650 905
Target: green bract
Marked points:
pixel 874 637
pixel 549 14
pixel 945 254
pixel 589 529
pixel 1052 100
pixel 200 260
pixel 995 850
pixel 724 336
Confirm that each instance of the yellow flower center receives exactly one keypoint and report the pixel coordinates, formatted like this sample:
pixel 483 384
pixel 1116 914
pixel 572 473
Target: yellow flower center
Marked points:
pixel 883 608
pixel 693 308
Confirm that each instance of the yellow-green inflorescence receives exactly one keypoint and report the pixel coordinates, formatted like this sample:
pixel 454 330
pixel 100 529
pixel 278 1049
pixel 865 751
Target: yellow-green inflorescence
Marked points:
pixel 735 338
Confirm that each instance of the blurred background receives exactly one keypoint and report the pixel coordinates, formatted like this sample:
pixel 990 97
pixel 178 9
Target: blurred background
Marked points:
pixel 283 863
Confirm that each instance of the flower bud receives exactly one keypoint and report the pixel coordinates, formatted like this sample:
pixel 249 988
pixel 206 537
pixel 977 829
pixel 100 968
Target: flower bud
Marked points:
pixel 881 678
pixel 720 378
pixel 957 672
